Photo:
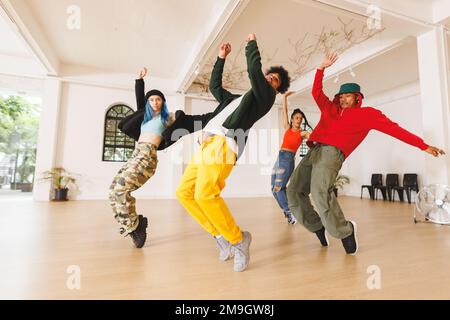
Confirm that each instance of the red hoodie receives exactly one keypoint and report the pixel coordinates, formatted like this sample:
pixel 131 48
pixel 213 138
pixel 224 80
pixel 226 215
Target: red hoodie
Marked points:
pixel 346 128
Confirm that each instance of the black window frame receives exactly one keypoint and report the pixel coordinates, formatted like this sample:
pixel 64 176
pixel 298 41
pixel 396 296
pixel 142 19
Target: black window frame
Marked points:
pixel 126 144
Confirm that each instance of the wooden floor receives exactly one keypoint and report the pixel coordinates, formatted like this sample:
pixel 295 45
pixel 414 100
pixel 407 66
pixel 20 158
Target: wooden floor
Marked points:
pixel 39 241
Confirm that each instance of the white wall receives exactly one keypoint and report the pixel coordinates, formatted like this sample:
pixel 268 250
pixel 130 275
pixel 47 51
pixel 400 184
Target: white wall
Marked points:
pixel 80 142
pixel 380 153
pixel 15 85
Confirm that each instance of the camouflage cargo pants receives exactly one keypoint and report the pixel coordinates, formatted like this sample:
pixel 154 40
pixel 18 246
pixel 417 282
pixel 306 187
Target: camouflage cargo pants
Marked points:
pixel 139 168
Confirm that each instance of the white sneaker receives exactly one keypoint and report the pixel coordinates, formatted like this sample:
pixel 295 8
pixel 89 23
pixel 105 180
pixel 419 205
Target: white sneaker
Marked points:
pixel 225 251
pixel 242 252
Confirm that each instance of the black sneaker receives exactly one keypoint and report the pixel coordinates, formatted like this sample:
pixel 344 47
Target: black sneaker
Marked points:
pixel 350 243
pixel 322 237
pixel 140 235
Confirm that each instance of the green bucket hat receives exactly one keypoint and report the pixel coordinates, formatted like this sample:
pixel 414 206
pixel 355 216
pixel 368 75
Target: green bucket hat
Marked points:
pixel 350 88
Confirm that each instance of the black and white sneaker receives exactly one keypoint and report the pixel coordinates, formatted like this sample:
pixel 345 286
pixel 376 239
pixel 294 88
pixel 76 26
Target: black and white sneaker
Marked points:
pixel 140 234
pixel 321 234
pixel 290 218
pixel 350 243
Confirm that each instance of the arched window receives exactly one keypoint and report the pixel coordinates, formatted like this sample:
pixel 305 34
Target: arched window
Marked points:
pixel 117 146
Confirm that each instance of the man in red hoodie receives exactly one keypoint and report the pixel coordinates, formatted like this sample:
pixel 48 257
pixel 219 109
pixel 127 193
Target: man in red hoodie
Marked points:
pixel 342 127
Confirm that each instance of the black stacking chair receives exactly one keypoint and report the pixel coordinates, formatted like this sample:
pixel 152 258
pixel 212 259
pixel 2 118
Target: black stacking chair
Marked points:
pixel 391 182
pixel 376 180
pixel 410 183
pixel 383 190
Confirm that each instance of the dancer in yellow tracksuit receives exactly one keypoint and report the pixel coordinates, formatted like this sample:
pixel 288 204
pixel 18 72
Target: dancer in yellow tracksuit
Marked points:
pixel 224 140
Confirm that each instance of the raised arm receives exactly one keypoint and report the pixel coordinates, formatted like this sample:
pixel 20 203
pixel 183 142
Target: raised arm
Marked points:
pixel 323 102
pixel 260 87
pixel 285 110
pixel 382 123
pixel 139 89
pixel 215 83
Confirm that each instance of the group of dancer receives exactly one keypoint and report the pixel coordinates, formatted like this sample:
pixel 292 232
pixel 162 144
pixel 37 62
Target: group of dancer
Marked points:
pixel 342 127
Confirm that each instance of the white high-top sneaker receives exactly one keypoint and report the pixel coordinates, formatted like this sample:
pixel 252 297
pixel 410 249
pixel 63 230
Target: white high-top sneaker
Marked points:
pixel 225 251
pixel 242 252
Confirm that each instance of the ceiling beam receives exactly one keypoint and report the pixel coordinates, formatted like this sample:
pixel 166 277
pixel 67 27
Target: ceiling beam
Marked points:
pixel 399 29
pixel 29 30
pixel 351 58
pixel 413 18
pixel 208 39
pixel 441 11
pixel 24 66
pixel 416 13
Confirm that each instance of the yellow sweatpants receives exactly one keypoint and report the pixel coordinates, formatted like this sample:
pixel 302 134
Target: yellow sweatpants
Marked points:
pixel 200 187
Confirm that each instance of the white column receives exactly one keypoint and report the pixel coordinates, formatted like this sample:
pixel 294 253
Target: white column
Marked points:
pixel 434 88
pixel 48 136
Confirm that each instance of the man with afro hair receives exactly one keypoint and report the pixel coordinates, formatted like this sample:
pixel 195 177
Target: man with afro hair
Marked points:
pixel 224 139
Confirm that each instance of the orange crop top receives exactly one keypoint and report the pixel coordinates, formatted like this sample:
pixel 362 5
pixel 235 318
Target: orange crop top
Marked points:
pixel 292 140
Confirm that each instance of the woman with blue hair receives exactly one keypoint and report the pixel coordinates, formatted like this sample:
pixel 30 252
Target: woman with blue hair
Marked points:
pixel 142 164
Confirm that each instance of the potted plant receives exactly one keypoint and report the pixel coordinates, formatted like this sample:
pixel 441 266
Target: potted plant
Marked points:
pixel 341 180
pixel 60 180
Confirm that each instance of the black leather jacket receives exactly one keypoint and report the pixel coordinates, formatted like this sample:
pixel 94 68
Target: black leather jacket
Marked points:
pixel 184 123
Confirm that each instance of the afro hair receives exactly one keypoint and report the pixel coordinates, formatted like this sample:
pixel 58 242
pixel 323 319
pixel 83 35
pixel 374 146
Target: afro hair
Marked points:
pixel 284 77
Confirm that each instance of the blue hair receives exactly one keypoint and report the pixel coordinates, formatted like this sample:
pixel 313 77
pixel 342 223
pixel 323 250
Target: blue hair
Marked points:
pixel 149 113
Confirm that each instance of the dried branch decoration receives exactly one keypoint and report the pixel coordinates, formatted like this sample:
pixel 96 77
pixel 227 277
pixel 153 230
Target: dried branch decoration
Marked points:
pixel 302 52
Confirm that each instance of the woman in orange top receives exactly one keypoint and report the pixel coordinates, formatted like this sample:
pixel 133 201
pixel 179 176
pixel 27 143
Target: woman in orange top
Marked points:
pixel 285 164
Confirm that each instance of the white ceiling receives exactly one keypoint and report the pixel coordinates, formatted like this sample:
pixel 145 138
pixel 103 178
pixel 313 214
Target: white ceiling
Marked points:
pixel 393 69
pixel 279 26
pixel 419 9
pixel 16 57
pixel 11 45
pixel 122 36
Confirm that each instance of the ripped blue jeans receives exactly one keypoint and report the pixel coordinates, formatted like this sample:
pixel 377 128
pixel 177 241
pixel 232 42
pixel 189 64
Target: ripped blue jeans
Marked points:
pixel 281 173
